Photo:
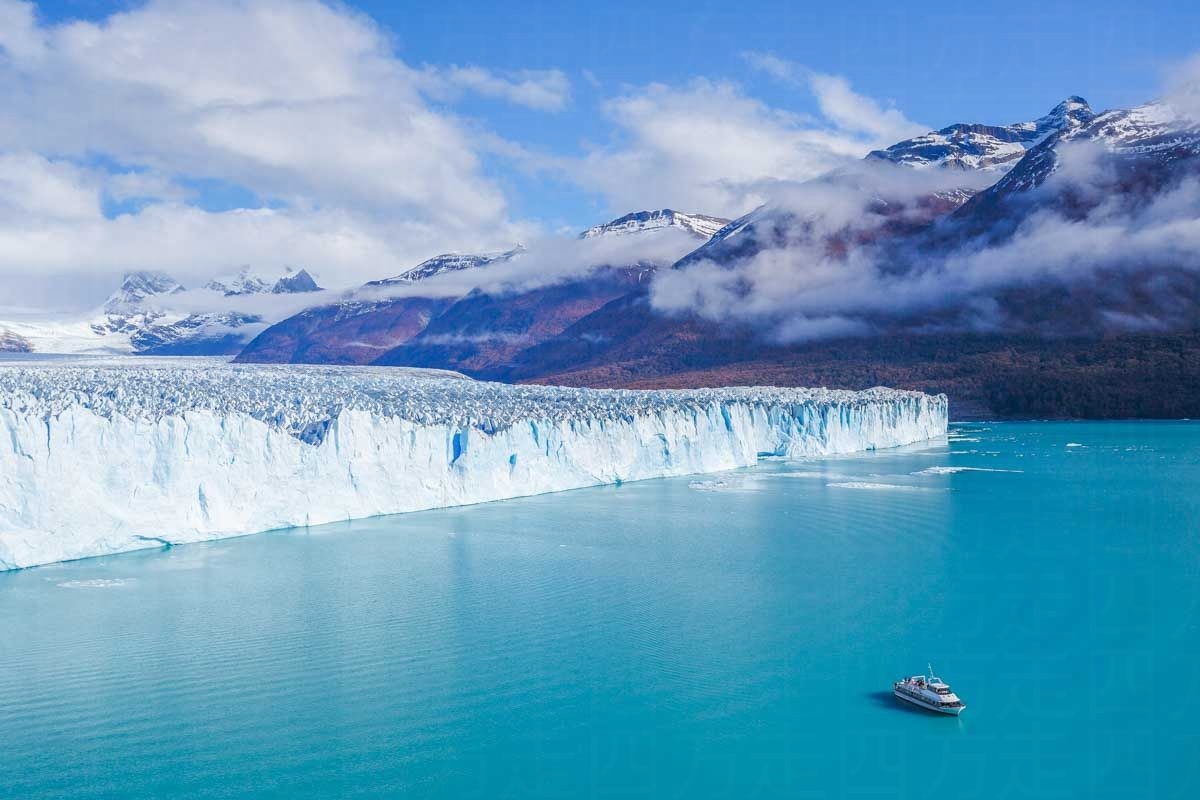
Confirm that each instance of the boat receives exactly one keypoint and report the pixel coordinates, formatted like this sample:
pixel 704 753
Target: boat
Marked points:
pixel 929 692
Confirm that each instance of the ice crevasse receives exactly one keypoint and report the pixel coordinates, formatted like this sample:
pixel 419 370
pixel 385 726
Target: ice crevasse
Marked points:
pixel 102 456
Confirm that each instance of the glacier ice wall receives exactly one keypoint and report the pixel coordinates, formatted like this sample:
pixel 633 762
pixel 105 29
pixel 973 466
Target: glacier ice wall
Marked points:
pixel 104 456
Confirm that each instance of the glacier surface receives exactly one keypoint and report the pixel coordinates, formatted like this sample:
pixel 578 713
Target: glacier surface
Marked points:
pixel 102 456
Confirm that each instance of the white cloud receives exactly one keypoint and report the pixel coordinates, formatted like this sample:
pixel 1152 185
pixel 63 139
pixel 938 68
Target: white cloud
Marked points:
pixel 778 68
pixel 839 103
pixel 298 99
pixel 549 260
pixel 1182 87
pixel 542 90
pixel 854 112
pixel 33 188
pixel 705 147
pixel 20 39
pixel 710 147
pixel 142 185
pixel 796 282
pixel 301 103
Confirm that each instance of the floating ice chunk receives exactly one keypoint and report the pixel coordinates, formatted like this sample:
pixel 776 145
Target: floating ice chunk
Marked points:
pixel 711 486
pixel 873 486
pixel 955 470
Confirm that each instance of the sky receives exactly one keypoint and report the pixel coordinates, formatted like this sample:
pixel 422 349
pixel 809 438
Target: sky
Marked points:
pixel 356 139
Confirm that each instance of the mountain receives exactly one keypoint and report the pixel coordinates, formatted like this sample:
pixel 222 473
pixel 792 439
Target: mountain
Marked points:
pixel 1072 339
pixel 991 148
pixel 134 322
pixel 12 343
pixel 295 283
pixel 1151 138
pixel 1041 268
pixel 638 222
pixel 137 318
pixel 138 287
pixel 477 332
pixel 482 332
pixel 956 163
pixel 448 262
pixel 246 281
pixel 347 332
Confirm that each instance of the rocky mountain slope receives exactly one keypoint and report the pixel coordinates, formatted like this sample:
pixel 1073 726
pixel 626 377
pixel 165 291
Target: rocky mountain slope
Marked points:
pixel 989 148
pixel 448 262
pixel 1045 267
pixel 478 332
pixel 1044 340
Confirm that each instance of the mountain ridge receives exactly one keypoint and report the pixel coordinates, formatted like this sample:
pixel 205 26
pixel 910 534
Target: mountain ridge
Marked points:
pixel 475 330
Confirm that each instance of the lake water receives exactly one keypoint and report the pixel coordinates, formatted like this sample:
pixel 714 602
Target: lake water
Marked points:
pixel 721 636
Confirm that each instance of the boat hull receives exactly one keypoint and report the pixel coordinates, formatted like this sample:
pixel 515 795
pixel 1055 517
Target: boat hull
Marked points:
pixel 916 701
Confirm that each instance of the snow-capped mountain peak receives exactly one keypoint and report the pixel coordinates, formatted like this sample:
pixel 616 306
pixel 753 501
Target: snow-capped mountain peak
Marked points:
pixel 448 262
pixel 988 148
pixel 138 318
pixel 136 287
pixel 1154 134
pixel 295 282
pixel 1142 129
pixel 1070 114
pixel 247 281
pixel 699 225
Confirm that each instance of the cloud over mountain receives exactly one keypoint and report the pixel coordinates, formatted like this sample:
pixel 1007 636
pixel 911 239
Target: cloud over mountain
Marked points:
pixel 300 110
pixel 710 145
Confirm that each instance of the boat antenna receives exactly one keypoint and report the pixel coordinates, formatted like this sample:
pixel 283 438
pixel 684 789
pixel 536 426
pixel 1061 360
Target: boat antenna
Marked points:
pixel 931 678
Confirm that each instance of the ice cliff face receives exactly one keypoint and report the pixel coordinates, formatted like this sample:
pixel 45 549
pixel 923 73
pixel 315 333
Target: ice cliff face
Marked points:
pixel 102 456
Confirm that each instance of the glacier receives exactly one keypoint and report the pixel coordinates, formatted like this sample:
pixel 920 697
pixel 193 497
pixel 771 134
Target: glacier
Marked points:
pixel 106 455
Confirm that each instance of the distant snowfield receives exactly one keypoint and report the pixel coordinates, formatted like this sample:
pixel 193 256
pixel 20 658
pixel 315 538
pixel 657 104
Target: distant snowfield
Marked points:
pixel 68 336
pixel 105 455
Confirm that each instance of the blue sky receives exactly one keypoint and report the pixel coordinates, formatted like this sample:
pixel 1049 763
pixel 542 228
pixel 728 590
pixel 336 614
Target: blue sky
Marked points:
pixel 537 118
pixel 939 62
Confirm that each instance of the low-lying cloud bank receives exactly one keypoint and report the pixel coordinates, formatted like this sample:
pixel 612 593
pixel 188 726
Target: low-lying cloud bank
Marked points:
pixel 194 136
pixel 833 258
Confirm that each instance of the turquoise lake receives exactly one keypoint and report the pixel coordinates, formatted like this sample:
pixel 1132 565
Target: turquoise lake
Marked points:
pixel 728 636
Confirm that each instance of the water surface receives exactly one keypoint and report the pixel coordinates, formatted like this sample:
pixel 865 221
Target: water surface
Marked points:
pixel 719 636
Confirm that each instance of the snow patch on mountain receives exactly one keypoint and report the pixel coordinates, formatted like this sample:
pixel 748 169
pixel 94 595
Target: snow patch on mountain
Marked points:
pixel 448 262
pixel 989 148
pixel 699 225
pixel 247 281
pixel 144 316
pixel 11 342
pixel 138 287
pixel 102 456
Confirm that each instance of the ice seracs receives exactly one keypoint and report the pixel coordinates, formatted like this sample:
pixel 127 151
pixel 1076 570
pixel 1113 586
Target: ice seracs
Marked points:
pixel 103 455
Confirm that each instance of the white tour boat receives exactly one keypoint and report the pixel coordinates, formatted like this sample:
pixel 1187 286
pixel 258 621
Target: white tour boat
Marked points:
pixel 930 693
